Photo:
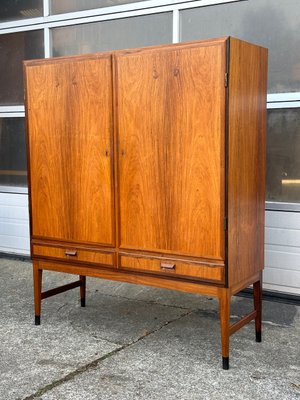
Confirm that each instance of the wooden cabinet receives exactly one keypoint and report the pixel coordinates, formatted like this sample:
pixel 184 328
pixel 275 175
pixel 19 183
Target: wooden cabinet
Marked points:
pixel 148 166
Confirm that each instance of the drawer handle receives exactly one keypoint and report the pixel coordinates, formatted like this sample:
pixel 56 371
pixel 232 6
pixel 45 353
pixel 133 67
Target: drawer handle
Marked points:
pixel 72 253
pixel 167 266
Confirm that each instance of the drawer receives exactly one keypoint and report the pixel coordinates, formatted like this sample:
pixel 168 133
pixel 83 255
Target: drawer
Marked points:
pixel 210 272
pixel 72 254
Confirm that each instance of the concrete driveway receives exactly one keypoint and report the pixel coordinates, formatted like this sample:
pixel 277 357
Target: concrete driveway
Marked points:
pixel 135 342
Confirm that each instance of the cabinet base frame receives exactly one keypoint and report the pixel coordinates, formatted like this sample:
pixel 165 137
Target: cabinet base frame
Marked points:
pixel 224 294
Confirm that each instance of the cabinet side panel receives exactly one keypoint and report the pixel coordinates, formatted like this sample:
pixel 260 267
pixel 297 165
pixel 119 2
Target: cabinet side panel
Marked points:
pixel 246 164
pixel 171 118
pixel 69 111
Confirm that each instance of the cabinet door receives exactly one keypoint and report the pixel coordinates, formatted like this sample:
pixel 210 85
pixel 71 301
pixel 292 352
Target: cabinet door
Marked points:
pixel 171 140
pixel 69 106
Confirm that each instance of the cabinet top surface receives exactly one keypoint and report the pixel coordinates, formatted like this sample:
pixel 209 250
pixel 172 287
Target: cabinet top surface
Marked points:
pixel 123 52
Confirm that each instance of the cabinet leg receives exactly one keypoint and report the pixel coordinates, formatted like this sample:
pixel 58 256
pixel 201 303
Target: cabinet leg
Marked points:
pixel 257 297
pixel 82 290
pixel 37 285
pixel 224 300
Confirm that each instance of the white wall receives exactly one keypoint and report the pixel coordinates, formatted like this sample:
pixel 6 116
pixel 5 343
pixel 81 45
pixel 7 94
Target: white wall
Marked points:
pixel 282 251
pixel 14 223
pixel 282 241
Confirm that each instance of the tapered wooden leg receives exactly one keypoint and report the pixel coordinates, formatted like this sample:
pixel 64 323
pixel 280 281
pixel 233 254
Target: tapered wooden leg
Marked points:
pixel 37 285
pixel 224 300
pixel 257 296
pixel 82 289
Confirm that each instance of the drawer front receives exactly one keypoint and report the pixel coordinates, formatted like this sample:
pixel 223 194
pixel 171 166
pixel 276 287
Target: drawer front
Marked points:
pixel 73 254
pixel 212 272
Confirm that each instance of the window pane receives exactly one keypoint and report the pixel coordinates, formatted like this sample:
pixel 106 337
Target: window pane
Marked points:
pixel 16 9
pixel 112 35
pixel 14 48
pixel 283 155
pixel 271 23
pixel 63 6
pixel 13 168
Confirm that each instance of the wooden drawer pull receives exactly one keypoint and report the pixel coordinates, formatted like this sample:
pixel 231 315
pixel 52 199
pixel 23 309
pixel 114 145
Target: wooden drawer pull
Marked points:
pixel 167 266
pixel 72 253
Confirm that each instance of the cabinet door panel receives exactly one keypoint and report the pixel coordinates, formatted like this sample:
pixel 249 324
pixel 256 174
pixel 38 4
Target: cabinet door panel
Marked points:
pixel 69 106
pixel 171 139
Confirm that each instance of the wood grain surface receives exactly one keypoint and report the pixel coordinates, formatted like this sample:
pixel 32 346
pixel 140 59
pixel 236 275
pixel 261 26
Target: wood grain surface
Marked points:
pixel 95 257
pixel 247 154
pixel 170 110
pixel 201 271
pixel 69 111
pixel 131 277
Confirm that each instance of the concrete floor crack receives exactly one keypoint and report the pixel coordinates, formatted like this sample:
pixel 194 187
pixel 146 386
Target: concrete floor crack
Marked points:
pixel 72 375
pixel 94 364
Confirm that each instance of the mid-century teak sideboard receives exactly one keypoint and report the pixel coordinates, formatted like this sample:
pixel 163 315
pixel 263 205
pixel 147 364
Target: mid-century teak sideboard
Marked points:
pixel 148 166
